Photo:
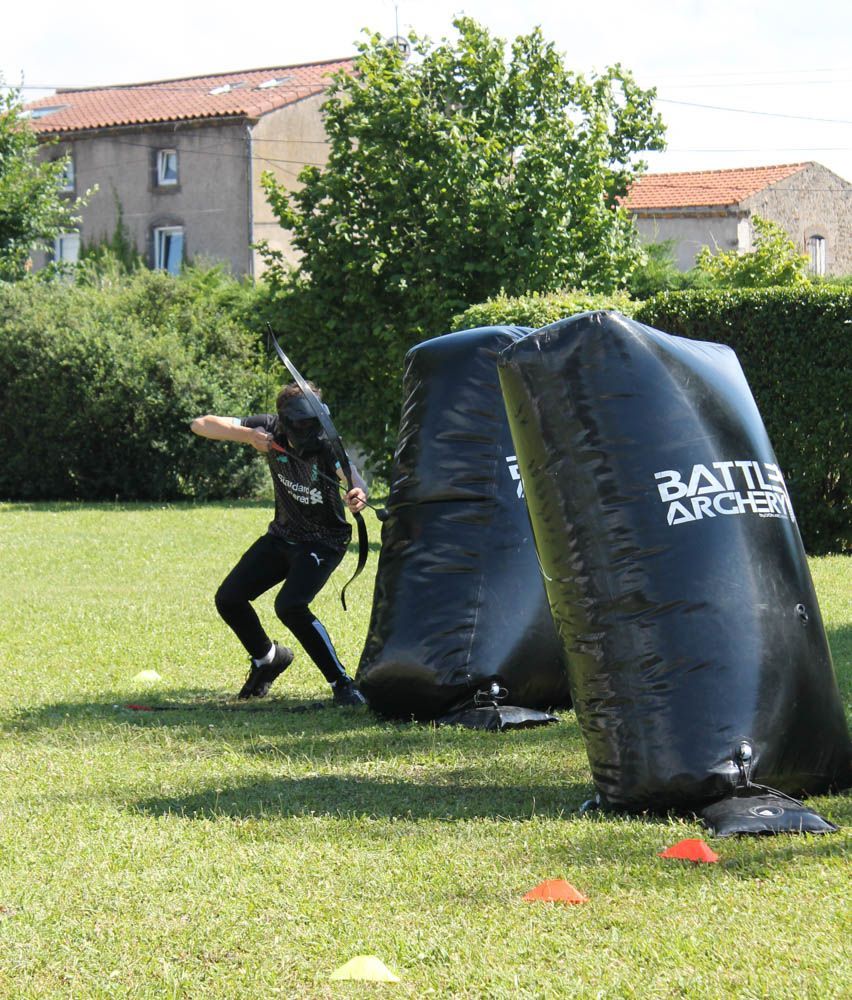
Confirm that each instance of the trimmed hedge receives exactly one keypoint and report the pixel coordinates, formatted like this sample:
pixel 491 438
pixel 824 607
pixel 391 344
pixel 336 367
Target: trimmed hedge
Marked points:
pixel 100 384
pixel 100 381
pixel 539 310
pixel 795 346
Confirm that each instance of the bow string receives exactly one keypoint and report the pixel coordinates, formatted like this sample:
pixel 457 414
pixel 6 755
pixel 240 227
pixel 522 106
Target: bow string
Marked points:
pixel 334 439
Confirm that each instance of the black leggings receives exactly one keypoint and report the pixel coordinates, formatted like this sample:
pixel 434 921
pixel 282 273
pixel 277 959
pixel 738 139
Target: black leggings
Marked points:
pixel 304 568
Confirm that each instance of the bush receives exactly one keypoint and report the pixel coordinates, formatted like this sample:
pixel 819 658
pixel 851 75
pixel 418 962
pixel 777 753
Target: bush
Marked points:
pixel 774 261
pixel 539 310
pixel 659 272
pixel 794 346
pixel 101 379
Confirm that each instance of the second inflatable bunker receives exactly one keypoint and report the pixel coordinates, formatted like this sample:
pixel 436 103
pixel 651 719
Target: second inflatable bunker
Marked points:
pixel 459 604
pixel 674 567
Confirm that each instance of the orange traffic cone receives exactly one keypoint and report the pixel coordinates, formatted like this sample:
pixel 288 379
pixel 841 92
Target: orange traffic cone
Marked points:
pixel 691 850
pixel 555 890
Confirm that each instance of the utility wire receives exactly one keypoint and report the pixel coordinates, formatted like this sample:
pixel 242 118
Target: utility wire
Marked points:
pixel 179 86
pixel 746 111
pixel 761 149
pixel 754 83
pixel 764 72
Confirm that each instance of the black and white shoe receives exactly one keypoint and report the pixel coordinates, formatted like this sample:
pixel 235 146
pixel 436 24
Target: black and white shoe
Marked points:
pixel 345 693
pixel 260 679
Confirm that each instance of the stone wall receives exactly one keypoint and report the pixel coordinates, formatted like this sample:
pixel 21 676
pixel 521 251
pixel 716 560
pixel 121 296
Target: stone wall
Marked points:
pixel 812 202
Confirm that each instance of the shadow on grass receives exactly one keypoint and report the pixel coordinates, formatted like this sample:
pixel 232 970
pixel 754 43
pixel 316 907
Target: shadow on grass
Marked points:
pixel 178 708
pixel 346 796
pixel 279 727
pixel 123 506
pixel 456 799
pixel 445 772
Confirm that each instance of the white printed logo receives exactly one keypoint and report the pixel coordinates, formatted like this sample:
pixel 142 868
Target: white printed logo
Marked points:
pixel 514 472
pixel 724 488
pixel 304 494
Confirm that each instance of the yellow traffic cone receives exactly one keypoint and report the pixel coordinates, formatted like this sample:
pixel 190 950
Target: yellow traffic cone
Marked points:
pixel 148 675
pixel 365 967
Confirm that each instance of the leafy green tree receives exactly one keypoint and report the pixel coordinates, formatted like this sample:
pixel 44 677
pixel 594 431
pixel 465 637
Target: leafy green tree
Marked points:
pixel 32 210
pixel 773 261
pixel 451 176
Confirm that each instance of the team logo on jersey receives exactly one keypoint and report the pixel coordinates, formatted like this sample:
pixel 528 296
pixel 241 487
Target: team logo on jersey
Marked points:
pixel 300 493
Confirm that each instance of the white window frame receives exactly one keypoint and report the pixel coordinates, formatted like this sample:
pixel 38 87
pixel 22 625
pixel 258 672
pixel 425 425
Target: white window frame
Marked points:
pixel 816 251
pixel 37 113
pixel 167 167
pixel 163 251
pixel 68 176
pixel 66 248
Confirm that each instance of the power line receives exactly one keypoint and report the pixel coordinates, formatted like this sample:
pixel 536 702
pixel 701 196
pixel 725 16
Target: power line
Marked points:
pixel 785 71
pixel 763 149
pixel 272 161
pixel 175 85
pixel 281 161
pixel 215 152
pixel 755 83
pixel 747 111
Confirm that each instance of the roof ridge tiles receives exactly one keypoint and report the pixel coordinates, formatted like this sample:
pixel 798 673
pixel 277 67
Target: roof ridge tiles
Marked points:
pixel 728 170
pixel 249 93
pixel 143 84
pixel 695 188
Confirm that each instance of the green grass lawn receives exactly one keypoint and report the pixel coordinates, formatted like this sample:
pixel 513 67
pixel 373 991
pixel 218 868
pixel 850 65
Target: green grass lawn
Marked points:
pixel 223 850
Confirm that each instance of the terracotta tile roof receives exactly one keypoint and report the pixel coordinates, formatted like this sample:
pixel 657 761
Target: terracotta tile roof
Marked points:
pixel 248 94
pixel 705 187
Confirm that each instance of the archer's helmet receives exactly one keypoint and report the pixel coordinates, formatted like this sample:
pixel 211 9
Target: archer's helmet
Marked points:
pixel 298 428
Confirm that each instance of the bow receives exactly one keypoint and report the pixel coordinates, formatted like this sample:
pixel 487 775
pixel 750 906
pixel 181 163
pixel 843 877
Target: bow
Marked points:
pixel 333 437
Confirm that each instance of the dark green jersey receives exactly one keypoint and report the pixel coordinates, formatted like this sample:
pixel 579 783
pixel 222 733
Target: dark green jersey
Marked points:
pixel 308 508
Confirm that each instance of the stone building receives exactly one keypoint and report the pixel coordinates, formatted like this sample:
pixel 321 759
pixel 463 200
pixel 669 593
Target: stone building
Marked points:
pixel 178 162
pixel 715 208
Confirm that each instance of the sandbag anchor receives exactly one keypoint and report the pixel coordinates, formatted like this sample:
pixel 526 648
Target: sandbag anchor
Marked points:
pixel 758 809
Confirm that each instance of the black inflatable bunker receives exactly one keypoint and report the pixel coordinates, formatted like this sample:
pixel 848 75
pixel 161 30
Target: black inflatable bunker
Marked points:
pixel 674 567
pixel 459 603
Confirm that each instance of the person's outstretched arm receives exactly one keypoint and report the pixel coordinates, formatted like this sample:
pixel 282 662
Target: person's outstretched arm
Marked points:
pixel 230 429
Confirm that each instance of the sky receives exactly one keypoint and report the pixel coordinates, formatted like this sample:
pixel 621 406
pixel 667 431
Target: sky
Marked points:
pixel 739 82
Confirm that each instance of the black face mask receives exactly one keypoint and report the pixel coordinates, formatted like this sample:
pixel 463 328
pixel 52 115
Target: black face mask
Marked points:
pixel 297 429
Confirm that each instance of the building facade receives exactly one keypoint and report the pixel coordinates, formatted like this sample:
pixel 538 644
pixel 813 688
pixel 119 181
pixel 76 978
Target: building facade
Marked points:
pixel 176 165
pixel 715 208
